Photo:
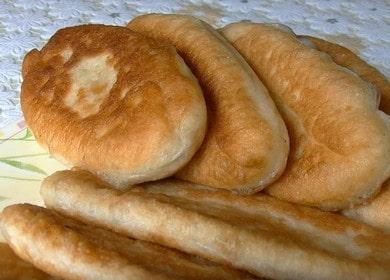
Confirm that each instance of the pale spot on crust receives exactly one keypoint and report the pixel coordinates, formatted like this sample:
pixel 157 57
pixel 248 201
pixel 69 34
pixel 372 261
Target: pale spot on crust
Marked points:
pixel 66 55
pixel 137 100
pixel 49 95
pixel 296 126
pixel 183 68
pixel 123 93
pixel 101 130
pixel 296 95
pixel 92 80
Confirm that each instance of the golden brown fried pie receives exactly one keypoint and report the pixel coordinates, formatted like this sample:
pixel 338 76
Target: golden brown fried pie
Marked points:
pixel 121 106
pixel 340 141
pixel 376 212
pixel 260 234
pixel 346 58
pixel 246 145
pixel 113 102
pixel 67 248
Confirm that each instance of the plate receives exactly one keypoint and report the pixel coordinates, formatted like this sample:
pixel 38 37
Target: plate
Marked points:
pixel 23 165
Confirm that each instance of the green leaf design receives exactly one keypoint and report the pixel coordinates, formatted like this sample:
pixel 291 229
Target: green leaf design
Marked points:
pixel 24 156
pixel 20 179
pixel 22 165
pixel 3 198
pixel 28 135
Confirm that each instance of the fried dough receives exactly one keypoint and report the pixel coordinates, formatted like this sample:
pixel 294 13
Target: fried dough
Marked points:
pixel 375 212
pixel 340 141
pixel 73 250
pixel 14 268
pixel 111 101
pixel 246 145
pixel 260 234
pixel 346 58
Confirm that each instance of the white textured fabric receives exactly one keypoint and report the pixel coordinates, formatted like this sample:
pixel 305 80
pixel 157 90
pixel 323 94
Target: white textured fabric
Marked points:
pixel 361 25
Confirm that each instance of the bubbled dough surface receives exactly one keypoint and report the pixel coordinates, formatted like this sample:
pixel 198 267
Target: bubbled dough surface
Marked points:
pixel 259 233
pixel 52 242
pixel 246 145
pixel 340 141
pixel 376 211
pixel 92 80
pixel 83 97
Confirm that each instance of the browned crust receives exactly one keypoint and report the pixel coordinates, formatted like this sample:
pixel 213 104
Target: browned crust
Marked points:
pixel 73 250
pixel 148 126
pixel 376 212
pixel 339 139
pixel 246 145
pixel 346 58
pixel 256 233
